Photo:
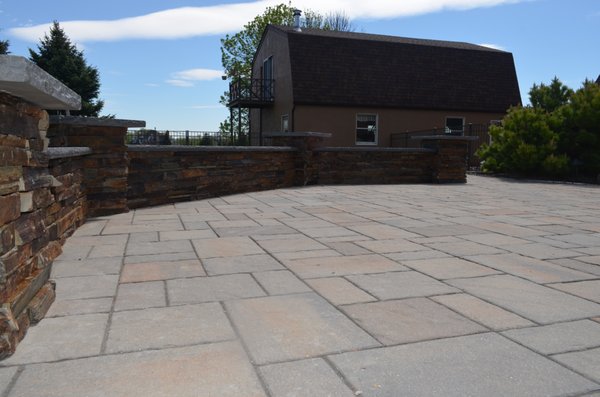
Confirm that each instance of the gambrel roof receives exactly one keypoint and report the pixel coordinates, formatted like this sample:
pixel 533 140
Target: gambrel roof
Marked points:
pixel 357 69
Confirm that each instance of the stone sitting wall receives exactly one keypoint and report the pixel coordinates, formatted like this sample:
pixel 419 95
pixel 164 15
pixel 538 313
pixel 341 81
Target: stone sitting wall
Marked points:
pixel 42 202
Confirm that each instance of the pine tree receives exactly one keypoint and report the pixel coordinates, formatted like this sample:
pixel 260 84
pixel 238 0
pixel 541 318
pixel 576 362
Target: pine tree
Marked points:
pixel 59 57
pixel 4 47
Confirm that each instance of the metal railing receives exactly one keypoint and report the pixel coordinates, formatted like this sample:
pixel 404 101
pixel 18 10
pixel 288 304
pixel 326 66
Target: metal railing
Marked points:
pixel 186 138
pixel 249 91
pixel 406 139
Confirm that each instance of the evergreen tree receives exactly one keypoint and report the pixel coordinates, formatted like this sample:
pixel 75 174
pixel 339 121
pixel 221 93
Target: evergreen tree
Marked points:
pixel 59 57
pixel 4 47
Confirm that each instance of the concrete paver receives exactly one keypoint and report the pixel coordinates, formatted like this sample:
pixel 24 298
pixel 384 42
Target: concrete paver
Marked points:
pixel 211 289
pixel 446 268
pixel 342 265
pixel 487 288
pixel 476 365
pixel 400 285
pixel 241 264
pixel 70 336
pixel 219 369
pixel 289 379
pixel 530 268
pixel 157 328
pixel 140 295
pixel 274 332
pixel 482 312
pixel 279 282
pixel 585 362
pixel 558 338
pixel 410 320
pixel 154 271
pixel 532 301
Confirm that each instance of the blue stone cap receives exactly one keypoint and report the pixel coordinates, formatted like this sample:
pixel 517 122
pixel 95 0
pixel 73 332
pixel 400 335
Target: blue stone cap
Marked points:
pixel 24 79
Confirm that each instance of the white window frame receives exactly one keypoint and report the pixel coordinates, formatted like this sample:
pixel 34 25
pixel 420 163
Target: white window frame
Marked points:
pixel 285 123
pixel 455 117
pixel 376 129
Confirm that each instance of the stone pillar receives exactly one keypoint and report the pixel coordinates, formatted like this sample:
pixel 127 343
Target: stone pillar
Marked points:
pixel 105 172
pixel 27 202
pixel 450 161
pixel 306 142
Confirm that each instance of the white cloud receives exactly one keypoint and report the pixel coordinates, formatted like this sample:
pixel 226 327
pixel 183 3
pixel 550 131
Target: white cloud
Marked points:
pixel 493 46
pixel 152 85
pixel 186 78
pixel 219 19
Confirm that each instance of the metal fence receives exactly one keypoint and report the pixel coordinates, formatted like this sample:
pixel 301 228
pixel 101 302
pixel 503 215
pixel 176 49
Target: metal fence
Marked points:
pixel 186 138
pixel 406 139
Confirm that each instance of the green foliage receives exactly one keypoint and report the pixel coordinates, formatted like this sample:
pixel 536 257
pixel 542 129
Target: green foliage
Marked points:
pixel 4 47
pixel 522 144
pixel 59 57
pixel 559 134
pixel 237 51
pixel 550 97
pixel 580 128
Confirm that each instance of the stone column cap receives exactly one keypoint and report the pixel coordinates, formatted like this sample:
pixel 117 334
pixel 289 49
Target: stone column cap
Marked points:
pixel 24 79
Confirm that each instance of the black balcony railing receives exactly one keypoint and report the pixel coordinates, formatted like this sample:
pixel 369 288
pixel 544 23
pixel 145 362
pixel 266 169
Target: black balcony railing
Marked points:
pixel 250 93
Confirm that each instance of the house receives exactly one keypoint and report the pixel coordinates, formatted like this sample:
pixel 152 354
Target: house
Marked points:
pixel 362 88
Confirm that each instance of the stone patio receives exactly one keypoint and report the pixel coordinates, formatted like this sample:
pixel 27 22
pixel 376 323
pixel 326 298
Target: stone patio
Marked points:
pixel 486 289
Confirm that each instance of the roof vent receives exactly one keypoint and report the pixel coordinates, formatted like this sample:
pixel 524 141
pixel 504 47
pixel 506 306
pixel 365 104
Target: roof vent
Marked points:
pixel 297 14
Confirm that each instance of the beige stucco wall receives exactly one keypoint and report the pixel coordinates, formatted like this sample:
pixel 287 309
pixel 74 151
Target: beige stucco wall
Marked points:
pixel 341 121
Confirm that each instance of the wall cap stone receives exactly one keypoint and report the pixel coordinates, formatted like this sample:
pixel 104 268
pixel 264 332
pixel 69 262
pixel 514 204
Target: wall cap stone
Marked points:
pixel 297 134
pixel 181 148
pixel 445 138
pixel 66 152
pixel 375 149
pixel 24 79
pixel 96 121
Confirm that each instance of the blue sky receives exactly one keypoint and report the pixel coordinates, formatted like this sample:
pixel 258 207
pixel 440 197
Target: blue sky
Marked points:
pixel 159 60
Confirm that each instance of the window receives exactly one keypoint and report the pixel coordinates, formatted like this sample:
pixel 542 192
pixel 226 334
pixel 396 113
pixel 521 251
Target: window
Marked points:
pixel 285 123
pixel 268 79
pixel 366 129
pixel 455 125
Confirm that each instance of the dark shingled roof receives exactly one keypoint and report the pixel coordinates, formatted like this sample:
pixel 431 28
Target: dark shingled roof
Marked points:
pixel 357 69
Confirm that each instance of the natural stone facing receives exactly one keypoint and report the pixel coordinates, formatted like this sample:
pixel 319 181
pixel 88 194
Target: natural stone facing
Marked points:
pixel 410 320
pixel 272 332
pixel 290 379
pixel 490 365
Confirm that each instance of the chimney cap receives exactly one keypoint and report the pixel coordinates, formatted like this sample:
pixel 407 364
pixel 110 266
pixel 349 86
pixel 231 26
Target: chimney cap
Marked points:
pixel 297 14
